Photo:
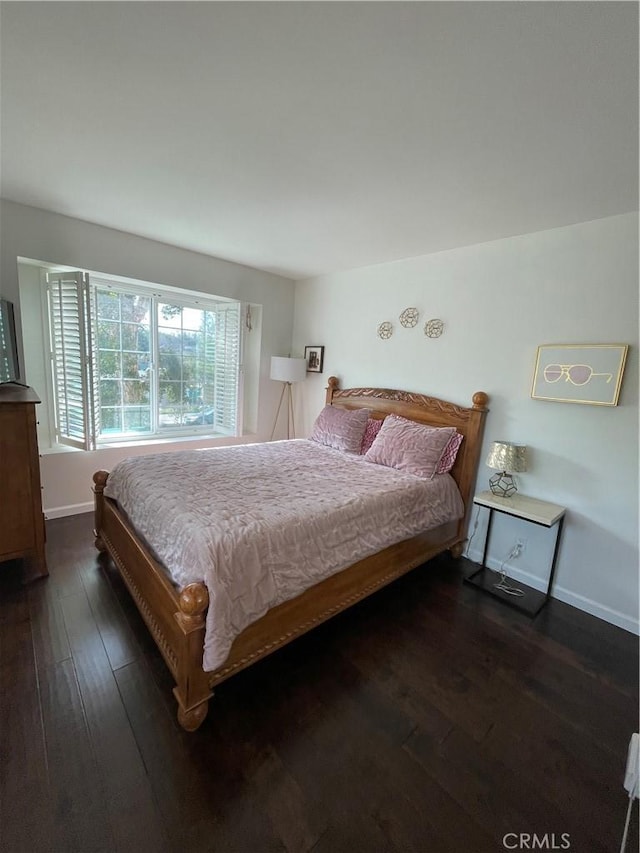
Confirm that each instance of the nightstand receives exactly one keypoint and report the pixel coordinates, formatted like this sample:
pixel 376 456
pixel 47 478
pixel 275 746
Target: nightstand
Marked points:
pixel 531 510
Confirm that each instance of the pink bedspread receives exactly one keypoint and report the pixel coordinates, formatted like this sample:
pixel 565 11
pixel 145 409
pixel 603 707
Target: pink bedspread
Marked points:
pixel 260 523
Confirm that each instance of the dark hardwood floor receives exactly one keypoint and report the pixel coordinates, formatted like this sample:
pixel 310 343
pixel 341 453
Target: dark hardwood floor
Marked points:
pixel 429 718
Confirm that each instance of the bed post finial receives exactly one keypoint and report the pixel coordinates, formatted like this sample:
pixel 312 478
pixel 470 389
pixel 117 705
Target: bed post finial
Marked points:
pixel 192 684
pixel 332 385
pixel 480 400
pixel 193 601
pixel 100 480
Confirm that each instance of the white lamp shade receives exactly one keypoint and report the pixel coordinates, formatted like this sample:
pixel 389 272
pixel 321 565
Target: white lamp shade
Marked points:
pixel 504 456
pixel 288 369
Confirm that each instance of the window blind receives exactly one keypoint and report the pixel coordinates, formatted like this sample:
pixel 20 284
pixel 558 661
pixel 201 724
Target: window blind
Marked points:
pixel 227 367
pixel 71 337
pixel 88 369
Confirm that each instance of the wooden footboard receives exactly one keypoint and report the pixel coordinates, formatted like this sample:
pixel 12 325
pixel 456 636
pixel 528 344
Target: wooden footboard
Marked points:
pixel 293 618
pixel 176 618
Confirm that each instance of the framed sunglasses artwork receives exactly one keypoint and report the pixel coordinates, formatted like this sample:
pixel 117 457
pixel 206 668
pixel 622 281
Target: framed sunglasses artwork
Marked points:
pixel 579 373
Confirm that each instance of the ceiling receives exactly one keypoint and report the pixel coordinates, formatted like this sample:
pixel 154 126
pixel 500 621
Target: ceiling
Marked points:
pixel 304 138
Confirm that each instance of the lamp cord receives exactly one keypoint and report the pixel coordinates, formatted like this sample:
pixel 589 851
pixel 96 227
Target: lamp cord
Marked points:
pixel 502 584
pixel 473 532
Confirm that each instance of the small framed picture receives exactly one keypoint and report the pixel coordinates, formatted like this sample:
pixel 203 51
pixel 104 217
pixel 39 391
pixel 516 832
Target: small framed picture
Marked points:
pixel 315 359
pixel 579 373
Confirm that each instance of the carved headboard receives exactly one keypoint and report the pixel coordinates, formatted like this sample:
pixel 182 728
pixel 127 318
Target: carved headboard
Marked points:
pixel 469 421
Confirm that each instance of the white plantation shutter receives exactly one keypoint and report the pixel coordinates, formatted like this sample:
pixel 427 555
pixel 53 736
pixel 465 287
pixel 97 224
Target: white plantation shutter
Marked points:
pixel 93 378
pixel 79 335
pixel 5 363
pixel 227 368
pixel 70 305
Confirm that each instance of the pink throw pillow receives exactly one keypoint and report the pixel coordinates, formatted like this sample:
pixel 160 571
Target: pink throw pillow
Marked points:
pixel 340 428
pixel 450 452
pixel 409 446
pixel 370 432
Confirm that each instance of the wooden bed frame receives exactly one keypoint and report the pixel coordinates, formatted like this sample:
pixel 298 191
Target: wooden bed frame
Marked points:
pixel 176 618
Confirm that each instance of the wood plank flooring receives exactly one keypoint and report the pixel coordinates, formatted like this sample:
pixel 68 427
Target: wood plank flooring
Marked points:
pixel 429 718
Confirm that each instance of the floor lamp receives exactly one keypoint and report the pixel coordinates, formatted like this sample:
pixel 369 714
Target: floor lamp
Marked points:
pixel 287 370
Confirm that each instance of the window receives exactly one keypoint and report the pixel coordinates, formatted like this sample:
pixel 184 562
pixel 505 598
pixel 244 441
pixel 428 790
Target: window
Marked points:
pixel 130 362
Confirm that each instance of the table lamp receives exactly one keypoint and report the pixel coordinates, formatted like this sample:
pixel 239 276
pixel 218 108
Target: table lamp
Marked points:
pixel 508 459
pixel 287 371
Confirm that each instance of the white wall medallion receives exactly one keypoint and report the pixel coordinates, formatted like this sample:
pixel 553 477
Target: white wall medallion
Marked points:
pixel 433 328
pixel 409 317
pixel 385 330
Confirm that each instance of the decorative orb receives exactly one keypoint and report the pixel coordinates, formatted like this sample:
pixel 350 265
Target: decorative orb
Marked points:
pixel 433 328
pixel 409 317
pixel 385 330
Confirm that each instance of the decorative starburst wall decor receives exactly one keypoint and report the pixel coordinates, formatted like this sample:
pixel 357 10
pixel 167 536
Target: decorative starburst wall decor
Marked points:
pixel 433 328
pixel 409 318
pixel 385 330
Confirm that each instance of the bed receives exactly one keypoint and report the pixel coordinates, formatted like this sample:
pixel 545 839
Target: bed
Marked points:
pixel 179 611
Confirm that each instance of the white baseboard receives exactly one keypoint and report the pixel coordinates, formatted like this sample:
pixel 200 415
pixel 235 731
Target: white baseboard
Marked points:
pixel 601 611
pixel 71 509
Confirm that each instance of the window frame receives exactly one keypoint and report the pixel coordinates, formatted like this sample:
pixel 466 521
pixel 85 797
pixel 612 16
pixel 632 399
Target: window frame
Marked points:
pixel 156 293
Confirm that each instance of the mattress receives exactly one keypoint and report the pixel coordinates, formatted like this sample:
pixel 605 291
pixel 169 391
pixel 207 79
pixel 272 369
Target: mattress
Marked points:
pixel 259 524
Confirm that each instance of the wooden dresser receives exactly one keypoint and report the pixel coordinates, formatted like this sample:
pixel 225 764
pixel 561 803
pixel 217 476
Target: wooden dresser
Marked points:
pixel 21 518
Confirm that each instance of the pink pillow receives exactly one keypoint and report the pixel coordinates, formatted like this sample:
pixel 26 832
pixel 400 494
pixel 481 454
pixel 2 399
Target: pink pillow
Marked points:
pixel 370 432
pixel 409 446
pixel 340 428
pixel 449 456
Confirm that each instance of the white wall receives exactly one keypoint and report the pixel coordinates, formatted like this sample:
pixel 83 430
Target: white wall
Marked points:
pixel 31 233
pixel 499 301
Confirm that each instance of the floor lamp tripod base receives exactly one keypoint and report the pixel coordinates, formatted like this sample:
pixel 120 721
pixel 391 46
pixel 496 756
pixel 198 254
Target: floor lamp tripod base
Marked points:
pixel 291 426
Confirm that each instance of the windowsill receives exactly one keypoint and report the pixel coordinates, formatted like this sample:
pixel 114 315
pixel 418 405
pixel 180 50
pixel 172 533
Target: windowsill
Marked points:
pixel 169 439
pixel 216 439
pixel 57 448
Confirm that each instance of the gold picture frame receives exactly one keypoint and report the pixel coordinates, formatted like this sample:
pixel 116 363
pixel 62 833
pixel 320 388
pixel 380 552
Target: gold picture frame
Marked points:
pixel 590 374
